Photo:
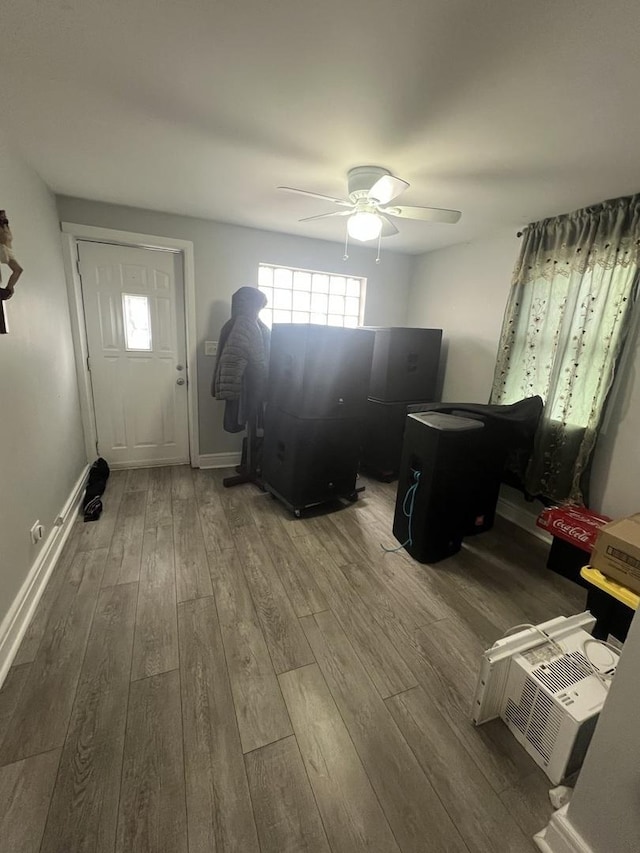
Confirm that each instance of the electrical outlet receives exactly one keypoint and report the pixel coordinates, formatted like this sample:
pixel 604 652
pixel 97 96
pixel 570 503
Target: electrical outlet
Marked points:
pixel 37 532
pixel 211 347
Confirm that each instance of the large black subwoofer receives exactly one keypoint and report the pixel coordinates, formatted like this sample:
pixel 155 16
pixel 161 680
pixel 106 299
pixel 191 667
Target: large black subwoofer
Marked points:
pixel 309 461
pixel 318 382
pixel 382 438
pixel 405 364
pixel 443 451
pixel 319 371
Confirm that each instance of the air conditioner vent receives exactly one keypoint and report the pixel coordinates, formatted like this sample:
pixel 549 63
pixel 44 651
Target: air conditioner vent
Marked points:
pixel 563 672
pixel 544 725
pixel 519 714
pixel 537 717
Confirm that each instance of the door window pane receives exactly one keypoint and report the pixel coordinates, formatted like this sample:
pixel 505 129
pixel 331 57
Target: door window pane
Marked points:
pixel 137 322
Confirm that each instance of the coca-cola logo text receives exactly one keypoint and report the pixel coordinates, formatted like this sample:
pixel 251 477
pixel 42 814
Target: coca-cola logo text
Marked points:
pixel 573 531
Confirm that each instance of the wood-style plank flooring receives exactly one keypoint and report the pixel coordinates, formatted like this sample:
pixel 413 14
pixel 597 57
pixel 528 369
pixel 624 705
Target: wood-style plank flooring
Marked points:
pixel 206 674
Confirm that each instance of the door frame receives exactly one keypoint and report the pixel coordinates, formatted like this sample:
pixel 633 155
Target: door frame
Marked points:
pixel 72 234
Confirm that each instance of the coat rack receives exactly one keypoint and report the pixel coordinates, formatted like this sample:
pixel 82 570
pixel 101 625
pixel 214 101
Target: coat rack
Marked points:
pixel 250 469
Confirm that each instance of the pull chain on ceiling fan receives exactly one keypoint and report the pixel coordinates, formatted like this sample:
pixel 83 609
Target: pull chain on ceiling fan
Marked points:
pixel 370 189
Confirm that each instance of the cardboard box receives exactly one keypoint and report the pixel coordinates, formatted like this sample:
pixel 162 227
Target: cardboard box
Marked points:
pixel 617 551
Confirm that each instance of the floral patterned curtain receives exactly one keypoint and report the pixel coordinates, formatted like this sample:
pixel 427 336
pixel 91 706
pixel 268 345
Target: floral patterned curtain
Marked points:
pixel 565 323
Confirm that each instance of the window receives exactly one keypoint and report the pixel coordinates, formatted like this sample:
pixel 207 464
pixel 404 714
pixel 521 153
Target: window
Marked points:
pixel 304 296
pixel 137 322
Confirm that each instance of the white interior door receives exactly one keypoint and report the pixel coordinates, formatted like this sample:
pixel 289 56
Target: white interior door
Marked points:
pixel 134 314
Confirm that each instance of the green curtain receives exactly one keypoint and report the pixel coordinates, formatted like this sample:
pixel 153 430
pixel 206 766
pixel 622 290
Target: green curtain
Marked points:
pixel 565 323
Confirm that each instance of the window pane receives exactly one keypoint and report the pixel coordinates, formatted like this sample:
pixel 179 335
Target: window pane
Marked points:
pixel 319 302
pixel 137 322
pixel 320 283
pixel 282 316
pixel 301 299
pixel 352 306
pixel 353 287
pixel 266 315
pixel 268 292
pixel 282 278
pixel 301 296
pixel 336 304
pixel 265 277
pixel 282 298
pixel 301 280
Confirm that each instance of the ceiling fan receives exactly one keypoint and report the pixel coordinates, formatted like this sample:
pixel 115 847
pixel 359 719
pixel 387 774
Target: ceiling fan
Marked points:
pixel 370 191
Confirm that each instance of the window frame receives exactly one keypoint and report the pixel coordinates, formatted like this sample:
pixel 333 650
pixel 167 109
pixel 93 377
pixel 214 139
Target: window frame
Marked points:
pixel 292 270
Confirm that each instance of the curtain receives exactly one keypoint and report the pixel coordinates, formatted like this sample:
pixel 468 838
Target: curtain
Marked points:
pixel 564 327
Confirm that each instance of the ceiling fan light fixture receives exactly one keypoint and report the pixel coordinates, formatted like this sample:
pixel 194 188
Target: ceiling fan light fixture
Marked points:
pixel 364 226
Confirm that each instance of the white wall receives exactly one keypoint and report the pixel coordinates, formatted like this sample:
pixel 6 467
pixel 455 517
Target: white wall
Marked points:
pixel 41 445
pixel 227 257
pixel 464 289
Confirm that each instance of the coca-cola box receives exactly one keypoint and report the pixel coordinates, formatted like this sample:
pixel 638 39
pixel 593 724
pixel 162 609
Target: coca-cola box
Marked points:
pixel 617 551
pixel 574 530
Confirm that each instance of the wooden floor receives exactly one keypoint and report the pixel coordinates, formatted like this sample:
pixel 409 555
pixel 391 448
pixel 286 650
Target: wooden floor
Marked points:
pixel 206 673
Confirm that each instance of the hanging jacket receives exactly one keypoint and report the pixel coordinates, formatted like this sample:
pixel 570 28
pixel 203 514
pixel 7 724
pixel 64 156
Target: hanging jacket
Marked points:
pixel 242 349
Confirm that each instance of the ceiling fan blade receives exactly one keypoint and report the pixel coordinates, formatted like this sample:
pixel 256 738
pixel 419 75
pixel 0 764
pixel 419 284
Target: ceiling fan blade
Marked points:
pixel 324 215
pixel 387 188
pixel 388 228
pixel 427 214
pixel 316 195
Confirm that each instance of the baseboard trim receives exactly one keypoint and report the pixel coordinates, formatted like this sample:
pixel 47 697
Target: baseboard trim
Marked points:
pixel 16 622
pixel 560 836
pixel 219 460
pixel 522 518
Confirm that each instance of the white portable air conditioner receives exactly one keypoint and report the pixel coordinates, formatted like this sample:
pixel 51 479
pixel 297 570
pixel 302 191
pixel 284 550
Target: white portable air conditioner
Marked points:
pixel 545 690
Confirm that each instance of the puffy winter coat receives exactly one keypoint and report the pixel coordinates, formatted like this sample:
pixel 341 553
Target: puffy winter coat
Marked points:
pixel 242 349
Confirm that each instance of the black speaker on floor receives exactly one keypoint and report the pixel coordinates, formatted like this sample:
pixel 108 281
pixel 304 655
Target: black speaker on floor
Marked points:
pixel 507 444
pixel 383 433
pixel 319 371
pixel 308 461
pixel 440 454
pixel 405 364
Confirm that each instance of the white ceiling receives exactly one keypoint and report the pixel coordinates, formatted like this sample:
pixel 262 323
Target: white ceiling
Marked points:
pixel 509 110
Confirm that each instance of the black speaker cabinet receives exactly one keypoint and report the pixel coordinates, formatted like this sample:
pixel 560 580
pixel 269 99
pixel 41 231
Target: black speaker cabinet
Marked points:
pixel 405 364
pixel 309 461
pixel 319 371
pixel 382 438
pixel 444 450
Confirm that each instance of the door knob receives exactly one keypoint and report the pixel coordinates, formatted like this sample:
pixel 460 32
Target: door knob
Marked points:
pixel 180 381
pixel 179 367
